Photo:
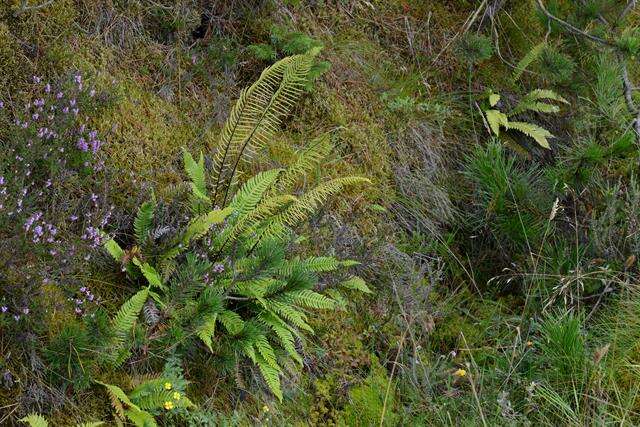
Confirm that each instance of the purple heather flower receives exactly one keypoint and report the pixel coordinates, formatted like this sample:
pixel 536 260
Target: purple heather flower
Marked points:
pixel 72 102
pixel 36 79
pixel 218 268
pixel 59 95
pixel 82 144
pixel 4 308
pixel 47 88
pixel 16 317
pixel 92 93
pixel 25 310
pixel 78 78
pixel 1 104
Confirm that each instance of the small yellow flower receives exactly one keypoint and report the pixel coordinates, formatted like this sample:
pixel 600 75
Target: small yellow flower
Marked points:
pixel 529 344
pixel 265 408
pixel 176 395
pixel 460 373
pixel 168 405
pixel 167 386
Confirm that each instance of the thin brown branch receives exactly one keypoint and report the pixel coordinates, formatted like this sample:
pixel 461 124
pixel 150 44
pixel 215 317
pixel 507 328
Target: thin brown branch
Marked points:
pixel 573 29
pixel 631 4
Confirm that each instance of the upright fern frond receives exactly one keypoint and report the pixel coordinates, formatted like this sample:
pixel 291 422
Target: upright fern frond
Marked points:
pixel 531 102
pixel 144 221
pixel 528 59
pixel 196 173
pixel 126 317
pixel 257 115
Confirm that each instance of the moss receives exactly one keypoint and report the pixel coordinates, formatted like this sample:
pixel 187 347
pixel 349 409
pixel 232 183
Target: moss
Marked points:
pixel 145 135
pixel 370 403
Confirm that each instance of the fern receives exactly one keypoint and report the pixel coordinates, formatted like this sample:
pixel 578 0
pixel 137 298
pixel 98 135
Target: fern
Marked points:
pixel 257 115
pixel 35 420
pixel 126 317
pixel 144 221
pixel 298 212
pixel 356 283
pixel 497 120
pixel 306 160
pixel 271 376
pixel 197 174
pixel 539 134
pixel 231 321
pixel 206 330
pixel 248 197
pixel 309 299
pixel 528 59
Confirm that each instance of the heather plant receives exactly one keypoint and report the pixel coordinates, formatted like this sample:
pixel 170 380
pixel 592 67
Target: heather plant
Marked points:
pixel 50 168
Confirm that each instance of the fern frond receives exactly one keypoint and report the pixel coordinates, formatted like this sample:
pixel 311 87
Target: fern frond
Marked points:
pixel 206 330
pixel 127 315
pixel 248 197
pixel 496 119
pixel 307 204
pixel 528 59
pixel 257 115
pixel 196 173
pixel 150 274
pixel 306 160
pixel 271 376
pixel 144 221
pixel 308 298
pixel 313 264
pixel 140 418
pixel 35 420
pixel 539 134
pixel 265 350
pixel 286 337
pixel 118 397
pixel 232 322
pixel 114 249
pixel 531 102
pixel 295 317
pixel 200 225
pixel 266 209
pixel 356 283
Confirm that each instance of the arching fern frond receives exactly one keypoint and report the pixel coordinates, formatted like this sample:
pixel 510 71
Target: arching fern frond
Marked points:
pixel 248 197
pixel 307 204
pixel 305 161
pixel 539 134
pixel 257 115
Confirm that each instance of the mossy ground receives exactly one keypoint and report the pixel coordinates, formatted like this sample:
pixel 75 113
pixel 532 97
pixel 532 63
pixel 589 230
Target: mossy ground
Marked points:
pixel 170 83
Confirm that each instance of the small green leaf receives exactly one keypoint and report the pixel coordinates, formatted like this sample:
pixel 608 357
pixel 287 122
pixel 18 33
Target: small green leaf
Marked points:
pixel 356 283
pixel 114 249
pixel 494 98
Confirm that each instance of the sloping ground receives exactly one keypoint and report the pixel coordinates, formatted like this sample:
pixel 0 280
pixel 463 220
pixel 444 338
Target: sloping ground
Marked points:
pixel 504 273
